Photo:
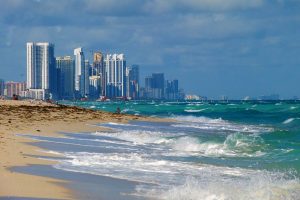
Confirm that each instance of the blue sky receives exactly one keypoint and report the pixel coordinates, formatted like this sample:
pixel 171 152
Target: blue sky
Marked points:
pixel 214 47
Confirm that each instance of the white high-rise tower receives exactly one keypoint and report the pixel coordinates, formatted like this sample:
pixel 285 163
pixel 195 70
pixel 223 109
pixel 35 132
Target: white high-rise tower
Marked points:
pixel 41 71
pixel 116 75
pixel 81 74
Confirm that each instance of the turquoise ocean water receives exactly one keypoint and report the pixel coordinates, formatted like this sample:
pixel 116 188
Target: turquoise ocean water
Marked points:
pixel 214 150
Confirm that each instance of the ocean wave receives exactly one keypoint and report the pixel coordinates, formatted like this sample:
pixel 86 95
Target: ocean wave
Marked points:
pixel 52 152
pixel 264 185
pixel 118 124
pixel 198 119
pixel 128 110
pixel 194 111
pixel 140 137
pixel 182 180
pixel 235 145
pixel 217 124
pixel 141 167
pixel 290 120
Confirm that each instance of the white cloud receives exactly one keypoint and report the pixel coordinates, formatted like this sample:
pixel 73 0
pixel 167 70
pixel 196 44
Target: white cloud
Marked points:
pixel 159 6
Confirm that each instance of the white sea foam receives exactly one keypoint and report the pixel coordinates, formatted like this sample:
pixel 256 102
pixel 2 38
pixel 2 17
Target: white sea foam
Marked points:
pixel 139 167
pixel 182 180
pixel 157 157
pixel 235 145
pixel 287 121
pixel 195 147
pixel 119 124
pixel 126 110
pixel 180 144
pixel 139 136
pixel 264 185
pixel 52 152
pixel 217 124
pixel 194 111
pixel 198 119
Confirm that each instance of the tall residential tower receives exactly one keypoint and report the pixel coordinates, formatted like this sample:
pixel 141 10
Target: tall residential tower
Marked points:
pixel 81 74
pixel 100 70
pixel 132 82
pixel 65 77
pixel 116 75
pixel 41 70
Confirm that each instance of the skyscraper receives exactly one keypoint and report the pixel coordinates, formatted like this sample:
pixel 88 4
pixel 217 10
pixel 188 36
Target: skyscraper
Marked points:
pixel 94 84
pixel 148 87
pixel 155 86
pixel 116 75
pixel 41 70
pixel 132 81
pixel 99 70
pixel 65 77
pixel 2 86
pixel 172 90
pixel 158 85
pixel 81 78
pixel 87 66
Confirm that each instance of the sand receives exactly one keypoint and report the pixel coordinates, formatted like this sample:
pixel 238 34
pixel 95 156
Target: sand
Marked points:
pixel 40 118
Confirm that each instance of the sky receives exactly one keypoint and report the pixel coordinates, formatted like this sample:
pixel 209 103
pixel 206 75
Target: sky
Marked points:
pixel 214 47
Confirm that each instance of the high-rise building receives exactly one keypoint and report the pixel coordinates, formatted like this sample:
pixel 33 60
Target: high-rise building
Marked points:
pixel 14 88
pixel 87 66
pixel 172 90
pixel 148 82
pixel 158 85
pixel 2 87
pixel 132 82
pixel 65 77
pixel 155 86
pixel 81 73
pixel 116 75
pixel 41 70
pixel 147 93
pixel 95 82
pixel 99 69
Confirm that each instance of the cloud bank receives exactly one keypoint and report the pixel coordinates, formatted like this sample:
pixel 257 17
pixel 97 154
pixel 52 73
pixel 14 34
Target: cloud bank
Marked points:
pixel 215 47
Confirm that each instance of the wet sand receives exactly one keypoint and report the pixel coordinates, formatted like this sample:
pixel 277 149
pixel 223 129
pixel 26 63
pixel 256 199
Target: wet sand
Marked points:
pixel 40 118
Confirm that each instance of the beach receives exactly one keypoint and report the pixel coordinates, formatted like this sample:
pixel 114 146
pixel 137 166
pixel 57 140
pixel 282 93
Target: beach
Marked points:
pixel 152 150
pixel 44 119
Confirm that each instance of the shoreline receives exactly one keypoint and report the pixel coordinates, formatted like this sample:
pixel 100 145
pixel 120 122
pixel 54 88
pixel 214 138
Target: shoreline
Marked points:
pixel 40 118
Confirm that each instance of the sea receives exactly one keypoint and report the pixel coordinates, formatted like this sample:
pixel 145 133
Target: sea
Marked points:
pixel 233 150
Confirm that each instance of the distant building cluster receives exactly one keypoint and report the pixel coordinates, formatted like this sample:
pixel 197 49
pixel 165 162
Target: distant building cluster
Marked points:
pixel 156 87
pixel 193 97
pixel 107 76
pixel 11 88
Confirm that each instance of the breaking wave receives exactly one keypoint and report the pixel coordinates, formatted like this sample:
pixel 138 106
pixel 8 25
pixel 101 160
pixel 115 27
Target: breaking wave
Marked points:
pixel 194 111
pixel 235 145
pixel 217 124
pixel 263 185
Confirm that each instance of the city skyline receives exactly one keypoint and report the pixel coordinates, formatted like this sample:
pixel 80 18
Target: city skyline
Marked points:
pixel 106 77
pixel 215 47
